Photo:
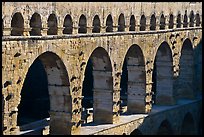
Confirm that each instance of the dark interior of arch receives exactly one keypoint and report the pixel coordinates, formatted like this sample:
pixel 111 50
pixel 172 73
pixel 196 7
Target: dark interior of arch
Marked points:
pixel 171 21
pixel 82 24
pixel 188 125
pixel 52 25
pixel 191 19
pixel 17 24
pixel 136 132
pixel 142 23
pixel 178 21
pixel 35 102
pixel 197 18
pixel 162 22
pixel 132 23
pixel 153 22
pixel 165 128
pixel 68 25
pixel 109 24
pixel 121 23
pixel 185 20
pixel 96 25
pixel 36 25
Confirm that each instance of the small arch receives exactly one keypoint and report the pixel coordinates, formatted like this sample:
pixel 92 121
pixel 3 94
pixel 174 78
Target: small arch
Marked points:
pixel 121 22
pixel 136 132
pixel 153 22
pixel 17 24
pixel 197 18
pixel 109 24
pixel 165 128
pixel 68 25
pixel 132 23
pixel 96 24
pixel 185 20
pixel 178 21
pixel 191 19
pixel 171 21
pixel 188 125
pixel 162 76
pixel 52 25
pixel 36 25
pixel 82 24
pixel 143 23
pixel 162 22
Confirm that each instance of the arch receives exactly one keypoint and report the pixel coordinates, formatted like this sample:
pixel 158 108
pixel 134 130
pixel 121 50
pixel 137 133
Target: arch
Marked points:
pixel 171 21
pixel 185 20
pixel 132 23
pixel 162 76
pixel 17 24
pixel 186 71
pixel 188 125
pixel 197 18
pixel 178 21
pixel 136 132
pixel 59 92
pixel 133 81
pixel 121 22
pixel 153 22
pixel 143 23
pixel 165 128
pixel 52 25
pixel 82 24
pixel 36 25
pixel 162 22
pixel 109 24
pixel 102 86
pixel 191 19
pixel 96 24
pixel 68 25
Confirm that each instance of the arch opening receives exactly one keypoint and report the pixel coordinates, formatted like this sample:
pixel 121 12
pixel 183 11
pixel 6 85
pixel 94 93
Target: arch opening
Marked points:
pixel 197 18
pixel 36 25
pixel 143 23
pixel 162 22
pixel 132 23
pixel 133 81
pixel 178 21
pixel 82 24
pixel 185 20
pixel 109 24
pixel 153 22
pixel 52 25
pixel 17 25
pixel 171 21
pixel 96 25
pixel 165 128
pixel 191 19
pixel 188 125
pixel 46 94
pixel 136 132
pixel 162 76
pixel 68 25
pixel 121 23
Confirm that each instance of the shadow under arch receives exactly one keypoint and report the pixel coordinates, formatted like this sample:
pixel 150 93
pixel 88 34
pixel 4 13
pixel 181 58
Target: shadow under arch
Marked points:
pixel 162 76
pixel 133 81
pixel 56 91
pixel 165 128
pixel 98 87
pixel 188 125
pixel 136 132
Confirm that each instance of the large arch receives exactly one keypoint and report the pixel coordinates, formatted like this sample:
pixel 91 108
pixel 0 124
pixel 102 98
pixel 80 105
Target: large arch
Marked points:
pixel 82 24
pixel 165 128
pixel 58 87
pixel 121 22
pixel 163 76
pixel 17 24
pixel 109 24
pixel 188 125
pixel 52 25
pixel 133 80
pixel 186 71
pixel 96 24
pixel 36 25
pixel 68 25
pixel 102 91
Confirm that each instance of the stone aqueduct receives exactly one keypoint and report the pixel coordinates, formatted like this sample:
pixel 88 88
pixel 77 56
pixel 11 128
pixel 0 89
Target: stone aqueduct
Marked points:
pixel 158 41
